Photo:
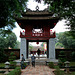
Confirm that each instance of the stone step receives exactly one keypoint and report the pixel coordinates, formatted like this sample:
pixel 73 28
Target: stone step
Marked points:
pixel 42 63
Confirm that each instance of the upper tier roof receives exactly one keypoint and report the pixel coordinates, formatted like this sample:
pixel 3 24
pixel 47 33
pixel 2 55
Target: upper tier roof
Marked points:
pixel 37 18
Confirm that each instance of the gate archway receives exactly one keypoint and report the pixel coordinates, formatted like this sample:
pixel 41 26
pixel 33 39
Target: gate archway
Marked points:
pixel 43 21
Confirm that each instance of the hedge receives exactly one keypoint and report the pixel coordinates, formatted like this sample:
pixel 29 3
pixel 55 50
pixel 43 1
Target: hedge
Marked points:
pixel 16 71
pixel 51 64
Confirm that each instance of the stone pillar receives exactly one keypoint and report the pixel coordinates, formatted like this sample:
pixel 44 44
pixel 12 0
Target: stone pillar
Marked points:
pixel 23 47
pixel 52 48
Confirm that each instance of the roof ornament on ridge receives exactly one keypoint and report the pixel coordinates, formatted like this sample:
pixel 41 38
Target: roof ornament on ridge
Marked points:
pixel 37 8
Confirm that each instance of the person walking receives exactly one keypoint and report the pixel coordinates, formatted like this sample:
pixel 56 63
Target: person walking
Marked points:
pixel 33 60
pixel 22 62
pixel 38 52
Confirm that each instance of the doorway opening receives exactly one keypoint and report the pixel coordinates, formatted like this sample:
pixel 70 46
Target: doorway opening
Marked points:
pixel 33 49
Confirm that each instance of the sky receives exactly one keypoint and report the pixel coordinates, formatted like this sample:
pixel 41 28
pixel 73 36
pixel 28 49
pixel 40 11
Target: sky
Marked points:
pixel 60 26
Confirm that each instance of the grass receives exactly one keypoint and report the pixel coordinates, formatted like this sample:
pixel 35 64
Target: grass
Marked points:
pixel 1 74
pixel 72 73
pixel 2 65
pixel 63 72
pixel 72 63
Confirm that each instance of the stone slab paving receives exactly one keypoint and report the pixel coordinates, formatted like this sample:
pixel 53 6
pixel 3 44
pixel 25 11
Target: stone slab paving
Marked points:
pixel 6 69
pixel 37 70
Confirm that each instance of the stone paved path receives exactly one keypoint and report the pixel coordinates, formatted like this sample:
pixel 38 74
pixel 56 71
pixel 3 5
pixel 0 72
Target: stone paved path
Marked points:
pixel 37 70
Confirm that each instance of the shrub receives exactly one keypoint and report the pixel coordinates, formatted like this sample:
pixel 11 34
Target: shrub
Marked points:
pixel 3 56
pixel 62 58
pixel 60 64
pixel 58 71
pixel 73 56
pixel 25 64
pixel 12 56
pixel 16 71
pixel 51 65
pixel 12 64
pixel 11 59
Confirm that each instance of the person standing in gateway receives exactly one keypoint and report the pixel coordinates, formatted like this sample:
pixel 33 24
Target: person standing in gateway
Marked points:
pixel 33 60
pixel 38 52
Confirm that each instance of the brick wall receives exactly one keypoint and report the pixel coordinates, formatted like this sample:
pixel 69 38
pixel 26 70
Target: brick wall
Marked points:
pixel 16 52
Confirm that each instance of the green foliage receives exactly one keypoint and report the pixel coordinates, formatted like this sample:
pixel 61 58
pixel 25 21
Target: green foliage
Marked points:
pixel 73 56
pixel 59 45
pixel 58 71
pixel 2 43
pixel 51 65
pixel 72 64
pixel 62 52
pixel 8 8
pixel 16 71
pixel 25 65
pixel 12 57
pixel 8 41
pixel 3 56
pixel 17 45
pixel 30 47
pixel 11 40
pixel 2 65
pixel 62 56
pixel 72 33
pixel 67 40
pixel 65 9
pixel 60 64
pixel 12 64
pixel 62 59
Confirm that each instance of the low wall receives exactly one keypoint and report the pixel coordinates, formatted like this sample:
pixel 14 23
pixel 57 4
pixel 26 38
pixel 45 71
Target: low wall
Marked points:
pixel 67 52
pixel 16 52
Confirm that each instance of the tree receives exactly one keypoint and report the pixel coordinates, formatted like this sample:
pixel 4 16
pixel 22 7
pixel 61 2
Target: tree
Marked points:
pixel 30 47
pixel 11 40
pixel 3 56
pixel 2 43
pixel 8 41
pixel 9 8
pixel 17 45
pixel 65 9
pixel 59 45
pixel 66 40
